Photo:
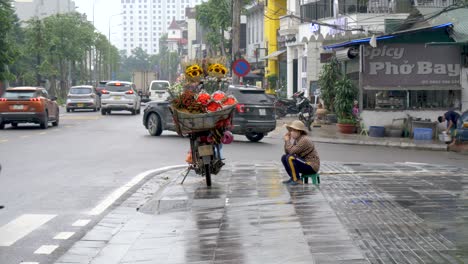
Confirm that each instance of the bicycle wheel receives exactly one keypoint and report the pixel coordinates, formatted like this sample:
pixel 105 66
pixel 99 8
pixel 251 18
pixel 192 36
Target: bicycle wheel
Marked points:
pixel 208 174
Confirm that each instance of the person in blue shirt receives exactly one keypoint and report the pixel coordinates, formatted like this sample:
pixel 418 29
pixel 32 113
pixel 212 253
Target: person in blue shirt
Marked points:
pixel 451 117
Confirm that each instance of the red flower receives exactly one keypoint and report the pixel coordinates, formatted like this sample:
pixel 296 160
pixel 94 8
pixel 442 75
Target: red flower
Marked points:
pixel 219 96
pixel 213 106
pixel 203 98
pixel 230 100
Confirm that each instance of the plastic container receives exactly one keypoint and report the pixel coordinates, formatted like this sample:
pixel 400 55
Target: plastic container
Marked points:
pixel 422 134
pixel 376 131
pixel 444 137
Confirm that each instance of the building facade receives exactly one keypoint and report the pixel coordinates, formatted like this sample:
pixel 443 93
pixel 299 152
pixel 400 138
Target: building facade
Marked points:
pixel 145 21
pixel 27 9
pixel 415 82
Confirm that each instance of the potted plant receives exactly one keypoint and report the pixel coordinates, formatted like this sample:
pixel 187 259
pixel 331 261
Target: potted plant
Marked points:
pixel 327 80
pixel 346 92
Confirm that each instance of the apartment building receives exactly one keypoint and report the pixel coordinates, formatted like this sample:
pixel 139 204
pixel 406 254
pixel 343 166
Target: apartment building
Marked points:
pixel 145 21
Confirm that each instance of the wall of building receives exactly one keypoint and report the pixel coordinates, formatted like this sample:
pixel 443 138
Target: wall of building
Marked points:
pixel 26 10
pixel 255 34
pixel 145 21
pixel 385 118
pixel 464 84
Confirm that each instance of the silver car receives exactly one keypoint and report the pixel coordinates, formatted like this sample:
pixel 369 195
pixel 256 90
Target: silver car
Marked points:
pixel 83 97
pixel 120 96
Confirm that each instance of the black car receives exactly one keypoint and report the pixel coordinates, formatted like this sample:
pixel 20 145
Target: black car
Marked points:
pixel 254 116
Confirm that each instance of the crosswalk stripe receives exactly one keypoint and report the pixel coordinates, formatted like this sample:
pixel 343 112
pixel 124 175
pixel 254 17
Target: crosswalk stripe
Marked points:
pixel 64 235
pixel 21 226
pixel 46 249
pixel 81 222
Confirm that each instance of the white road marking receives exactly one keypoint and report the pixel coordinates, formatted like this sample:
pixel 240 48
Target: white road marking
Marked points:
pixel 25 136
pixel 81 222
pixel 101 207
pixel 42 133
pixel 3 140
pixel 29 262
pixel 21 226
pixel 46 249
pixel 64 235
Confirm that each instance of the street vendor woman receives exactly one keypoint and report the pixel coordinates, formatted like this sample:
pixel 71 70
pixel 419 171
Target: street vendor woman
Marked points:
pixel 301 156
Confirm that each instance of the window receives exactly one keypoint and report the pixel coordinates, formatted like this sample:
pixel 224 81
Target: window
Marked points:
pixel 411 99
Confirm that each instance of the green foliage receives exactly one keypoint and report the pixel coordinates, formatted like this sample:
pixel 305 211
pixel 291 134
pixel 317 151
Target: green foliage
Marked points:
pixel 215 16
pixel 272 81
pixel 328 76
pixel 346 93
pixel 8 47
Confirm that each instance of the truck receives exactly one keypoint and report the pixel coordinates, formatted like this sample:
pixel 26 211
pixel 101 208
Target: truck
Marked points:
pixel 142 81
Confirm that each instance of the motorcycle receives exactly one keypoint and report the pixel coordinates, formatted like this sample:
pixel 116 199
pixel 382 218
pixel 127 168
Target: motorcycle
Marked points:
pixel 285 106
pixel 306 109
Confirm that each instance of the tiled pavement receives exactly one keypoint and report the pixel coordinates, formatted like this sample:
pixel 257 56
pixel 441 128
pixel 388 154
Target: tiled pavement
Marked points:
pixel 361 213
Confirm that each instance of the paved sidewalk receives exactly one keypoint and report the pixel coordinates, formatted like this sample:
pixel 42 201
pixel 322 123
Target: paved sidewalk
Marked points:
pixel 330 134
pixel 361 213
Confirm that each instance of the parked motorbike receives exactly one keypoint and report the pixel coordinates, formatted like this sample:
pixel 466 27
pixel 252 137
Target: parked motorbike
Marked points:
pixel 306 109
pixel 285 106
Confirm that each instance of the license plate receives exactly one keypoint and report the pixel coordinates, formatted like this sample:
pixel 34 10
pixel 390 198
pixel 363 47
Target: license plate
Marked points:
pixel 116 97
pixel 306 114
pixel 18 107
pixel 262 112
pixel 205 150
pixel 80 105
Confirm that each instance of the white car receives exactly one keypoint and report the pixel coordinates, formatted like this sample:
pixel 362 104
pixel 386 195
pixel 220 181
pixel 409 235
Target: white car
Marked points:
pixel 83 97
pixel 159 90
pixel 120 96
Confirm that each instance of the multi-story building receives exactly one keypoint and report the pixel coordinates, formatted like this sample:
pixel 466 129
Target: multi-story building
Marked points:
pixel 363 35
pixel 255 50
pixel 27 9
pixel 145 21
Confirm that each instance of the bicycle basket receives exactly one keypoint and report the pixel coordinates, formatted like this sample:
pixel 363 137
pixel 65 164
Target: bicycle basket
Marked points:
pixel 187 123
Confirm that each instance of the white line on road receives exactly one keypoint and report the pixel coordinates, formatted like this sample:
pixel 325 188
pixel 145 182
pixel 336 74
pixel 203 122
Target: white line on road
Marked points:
pixel 46 249
pixel 29 262
pixel 81 222
pixel 3 140
pixel 64 235
pixel 21 226
pixel 101 207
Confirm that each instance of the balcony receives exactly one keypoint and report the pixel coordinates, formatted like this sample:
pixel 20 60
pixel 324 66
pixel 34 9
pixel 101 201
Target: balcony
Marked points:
pixel 289 25
pixel 311 11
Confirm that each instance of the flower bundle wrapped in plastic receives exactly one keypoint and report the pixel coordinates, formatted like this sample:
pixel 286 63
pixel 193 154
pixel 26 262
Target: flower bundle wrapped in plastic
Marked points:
pixel 202 104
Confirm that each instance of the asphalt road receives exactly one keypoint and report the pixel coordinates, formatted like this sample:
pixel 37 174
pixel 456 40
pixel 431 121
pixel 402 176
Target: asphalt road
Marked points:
pixel 53 178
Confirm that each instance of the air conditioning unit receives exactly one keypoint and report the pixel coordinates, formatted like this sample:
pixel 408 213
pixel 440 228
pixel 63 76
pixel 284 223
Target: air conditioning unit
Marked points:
pixel 346 54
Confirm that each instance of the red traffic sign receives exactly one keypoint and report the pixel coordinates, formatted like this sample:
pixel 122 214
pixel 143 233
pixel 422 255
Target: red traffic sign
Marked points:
pixel 241 67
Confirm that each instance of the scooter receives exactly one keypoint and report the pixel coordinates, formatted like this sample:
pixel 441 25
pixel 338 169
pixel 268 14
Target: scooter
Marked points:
pixel 306 109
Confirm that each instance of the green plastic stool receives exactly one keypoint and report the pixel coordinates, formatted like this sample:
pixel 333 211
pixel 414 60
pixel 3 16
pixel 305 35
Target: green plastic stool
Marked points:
pixel 315 178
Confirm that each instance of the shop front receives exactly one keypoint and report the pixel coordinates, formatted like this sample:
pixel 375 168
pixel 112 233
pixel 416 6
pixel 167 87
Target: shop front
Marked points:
pixel 401 79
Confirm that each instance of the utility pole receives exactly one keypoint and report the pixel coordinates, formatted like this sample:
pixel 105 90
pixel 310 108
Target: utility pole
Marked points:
pixel 235 34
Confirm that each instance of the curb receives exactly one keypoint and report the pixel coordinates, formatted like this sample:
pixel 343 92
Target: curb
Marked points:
pixel 404 145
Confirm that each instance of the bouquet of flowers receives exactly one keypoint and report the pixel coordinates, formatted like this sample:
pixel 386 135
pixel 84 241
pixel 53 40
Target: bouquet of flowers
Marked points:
pixel 199 99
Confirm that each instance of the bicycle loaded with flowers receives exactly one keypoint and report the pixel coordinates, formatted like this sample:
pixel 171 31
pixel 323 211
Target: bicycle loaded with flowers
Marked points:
pixel 203 111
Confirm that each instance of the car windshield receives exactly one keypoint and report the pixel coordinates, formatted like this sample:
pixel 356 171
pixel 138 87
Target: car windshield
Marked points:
pixel 159 86
pixel 250 96
pixel 80 90
pixel 121 87
pixel 26 94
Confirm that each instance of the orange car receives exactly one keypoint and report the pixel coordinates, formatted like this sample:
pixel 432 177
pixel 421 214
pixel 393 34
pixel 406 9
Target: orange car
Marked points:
pixel 28 105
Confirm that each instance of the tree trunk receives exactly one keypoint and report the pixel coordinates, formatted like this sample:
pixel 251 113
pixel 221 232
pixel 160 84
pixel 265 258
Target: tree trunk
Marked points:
pixel 236 10
pixel 223 48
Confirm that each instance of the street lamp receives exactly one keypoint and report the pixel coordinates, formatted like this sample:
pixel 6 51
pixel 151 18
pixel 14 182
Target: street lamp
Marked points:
pixel 109 48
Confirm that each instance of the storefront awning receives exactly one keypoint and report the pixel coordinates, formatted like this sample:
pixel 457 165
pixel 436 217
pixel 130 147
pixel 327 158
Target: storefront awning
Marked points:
pixel 415 88
pixel 356 42
pixel 274 55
